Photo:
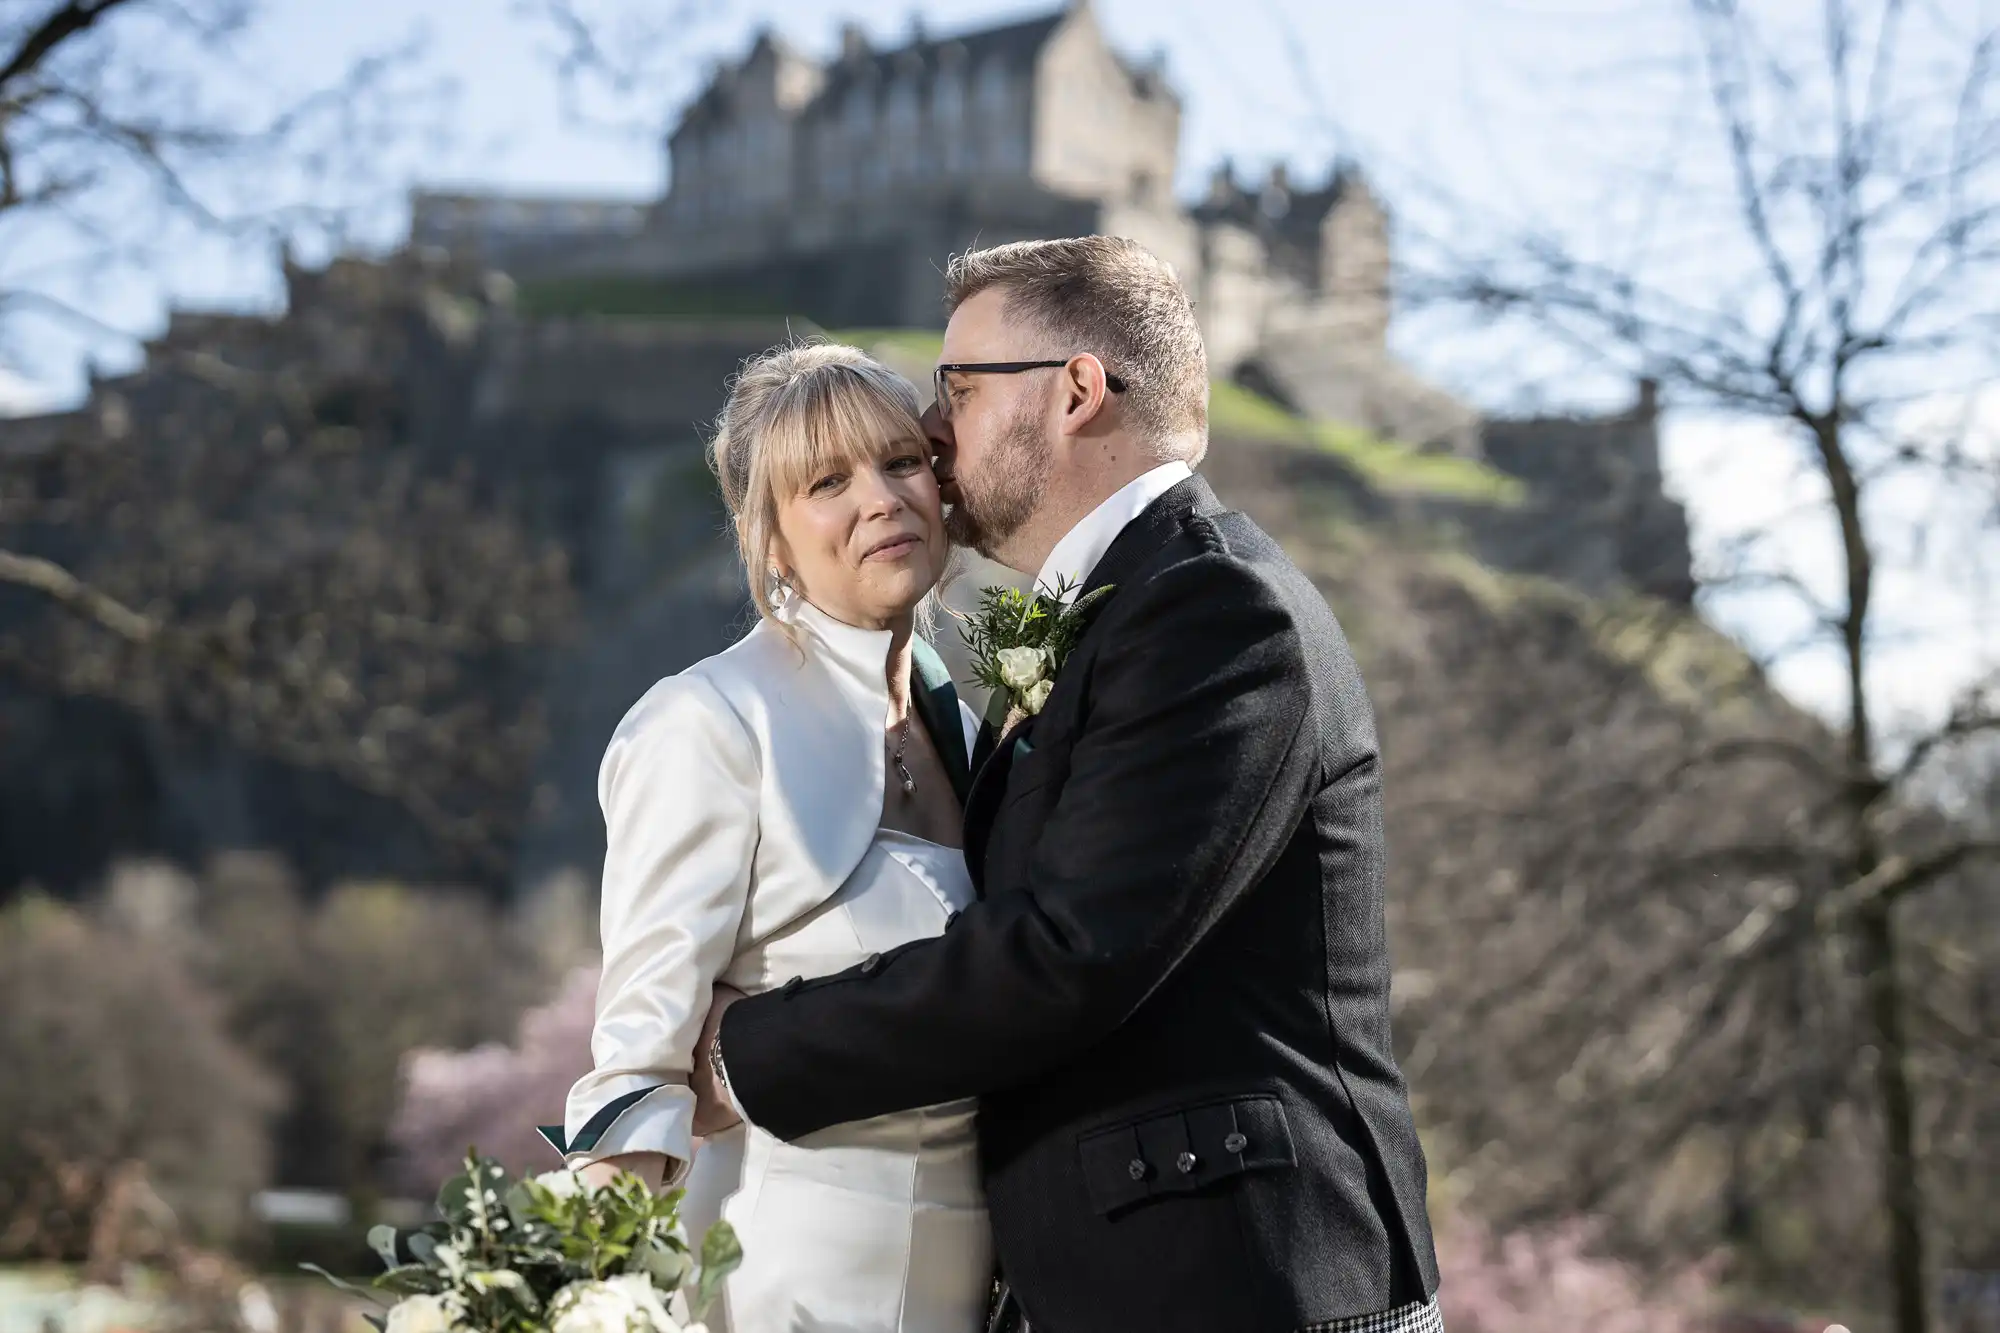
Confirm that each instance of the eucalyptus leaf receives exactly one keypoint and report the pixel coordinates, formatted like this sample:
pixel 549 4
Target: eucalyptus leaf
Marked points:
pixel 665 1264
pixel 411 1279
pixel 345 1285
pixel 522 1205
pixel 382 1240
pixel 452 1195
pixel 721 1255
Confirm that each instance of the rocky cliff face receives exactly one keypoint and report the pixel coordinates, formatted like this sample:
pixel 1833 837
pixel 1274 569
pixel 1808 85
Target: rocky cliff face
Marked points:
pixel 595 427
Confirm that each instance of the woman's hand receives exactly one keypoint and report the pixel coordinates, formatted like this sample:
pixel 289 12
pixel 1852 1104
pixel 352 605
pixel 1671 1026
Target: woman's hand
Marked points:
pixel 651 1167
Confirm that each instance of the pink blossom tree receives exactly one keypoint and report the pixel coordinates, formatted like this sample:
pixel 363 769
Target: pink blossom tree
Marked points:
pixel 492 1096
pixel 1548 1281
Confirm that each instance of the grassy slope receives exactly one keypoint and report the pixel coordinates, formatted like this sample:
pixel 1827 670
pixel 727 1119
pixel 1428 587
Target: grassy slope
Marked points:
pixel 1237 413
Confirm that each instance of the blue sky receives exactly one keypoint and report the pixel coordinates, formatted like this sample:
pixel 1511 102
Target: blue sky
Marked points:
pixel 1533 108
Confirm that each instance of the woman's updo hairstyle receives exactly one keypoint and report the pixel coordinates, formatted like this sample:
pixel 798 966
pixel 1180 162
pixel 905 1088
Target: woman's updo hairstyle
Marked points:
pixel 794 412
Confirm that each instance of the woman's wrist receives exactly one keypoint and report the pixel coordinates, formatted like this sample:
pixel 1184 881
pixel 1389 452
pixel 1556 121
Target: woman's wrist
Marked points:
pixel 652 1167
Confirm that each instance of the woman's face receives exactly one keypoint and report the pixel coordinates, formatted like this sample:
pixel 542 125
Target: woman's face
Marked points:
pixel 864 540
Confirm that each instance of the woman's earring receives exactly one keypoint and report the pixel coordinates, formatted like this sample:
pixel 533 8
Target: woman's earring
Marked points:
pixel 781 587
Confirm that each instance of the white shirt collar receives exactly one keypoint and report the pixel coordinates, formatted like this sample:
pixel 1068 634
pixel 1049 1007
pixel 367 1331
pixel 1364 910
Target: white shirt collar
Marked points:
pixel 1085 544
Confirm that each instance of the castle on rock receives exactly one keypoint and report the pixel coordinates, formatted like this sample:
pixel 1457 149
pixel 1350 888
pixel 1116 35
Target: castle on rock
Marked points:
pixel 836 189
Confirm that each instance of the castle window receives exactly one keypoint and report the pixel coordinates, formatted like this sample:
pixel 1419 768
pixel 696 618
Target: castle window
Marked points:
pixel 948 118
pixel 990 119
pixel 900 147
pixel 836 157
pixel 687 167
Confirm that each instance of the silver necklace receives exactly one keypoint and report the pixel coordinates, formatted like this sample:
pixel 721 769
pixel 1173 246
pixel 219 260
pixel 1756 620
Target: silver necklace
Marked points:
pixel 902 743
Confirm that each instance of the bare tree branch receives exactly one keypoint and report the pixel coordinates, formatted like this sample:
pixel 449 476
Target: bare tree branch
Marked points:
pixel 60 26
pixel 52 580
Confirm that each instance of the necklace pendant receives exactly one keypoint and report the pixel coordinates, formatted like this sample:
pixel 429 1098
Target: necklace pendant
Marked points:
pixel 903 769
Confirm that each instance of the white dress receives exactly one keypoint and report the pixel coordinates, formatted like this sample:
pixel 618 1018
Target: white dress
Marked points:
pixel 873 1227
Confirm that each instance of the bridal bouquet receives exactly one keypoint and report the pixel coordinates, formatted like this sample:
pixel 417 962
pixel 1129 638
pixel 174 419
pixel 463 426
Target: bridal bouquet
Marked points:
pixel 548 1254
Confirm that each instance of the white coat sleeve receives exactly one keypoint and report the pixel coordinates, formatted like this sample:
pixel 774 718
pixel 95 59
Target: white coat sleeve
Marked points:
pixel 678 787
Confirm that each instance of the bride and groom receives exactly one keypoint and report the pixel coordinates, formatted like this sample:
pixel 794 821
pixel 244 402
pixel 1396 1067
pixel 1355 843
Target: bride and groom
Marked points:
pixel 1101 1003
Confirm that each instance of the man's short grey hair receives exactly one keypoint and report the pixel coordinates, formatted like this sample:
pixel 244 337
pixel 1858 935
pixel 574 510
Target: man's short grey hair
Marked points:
pixel 1116 299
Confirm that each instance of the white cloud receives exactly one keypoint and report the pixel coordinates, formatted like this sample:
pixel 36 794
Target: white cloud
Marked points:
pixel 1756 501
pixel 20 396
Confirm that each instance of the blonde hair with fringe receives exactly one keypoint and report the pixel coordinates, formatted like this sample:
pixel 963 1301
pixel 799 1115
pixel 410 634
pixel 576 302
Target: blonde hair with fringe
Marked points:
pixel 793 412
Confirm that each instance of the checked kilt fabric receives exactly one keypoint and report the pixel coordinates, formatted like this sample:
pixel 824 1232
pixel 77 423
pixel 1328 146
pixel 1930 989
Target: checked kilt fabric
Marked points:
pixel 1006 1317
pixel 1423 1318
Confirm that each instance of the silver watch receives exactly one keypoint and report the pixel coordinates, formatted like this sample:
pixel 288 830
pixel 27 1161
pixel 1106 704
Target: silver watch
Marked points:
pixel 715 1066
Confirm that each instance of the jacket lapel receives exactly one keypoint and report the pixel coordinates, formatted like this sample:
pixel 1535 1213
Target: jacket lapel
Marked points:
pixel 936 700
pixel 1127 554
pixel 989 784
pixel 983 745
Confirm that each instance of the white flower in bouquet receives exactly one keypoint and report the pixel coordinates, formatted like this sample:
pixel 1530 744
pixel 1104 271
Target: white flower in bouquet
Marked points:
pixel 564 1184
pixel 420 1314
pixel 255 1309
pixel 1035 696
pixel 449 1260
pixel 624 1304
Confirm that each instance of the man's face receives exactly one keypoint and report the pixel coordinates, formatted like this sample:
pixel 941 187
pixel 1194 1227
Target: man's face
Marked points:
pixel 995 449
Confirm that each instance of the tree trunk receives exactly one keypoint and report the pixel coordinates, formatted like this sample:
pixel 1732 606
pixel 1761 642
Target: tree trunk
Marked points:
pixel 1875 930
pixel 1902 1184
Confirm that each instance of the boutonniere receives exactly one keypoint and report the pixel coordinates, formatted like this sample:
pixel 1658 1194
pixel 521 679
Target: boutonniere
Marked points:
pixel 1019 642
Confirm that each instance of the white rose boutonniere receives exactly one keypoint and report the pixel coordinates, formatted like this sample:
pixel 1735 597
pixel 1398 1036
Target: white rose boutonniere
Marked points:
pixel 1019 641
pixel 1021 668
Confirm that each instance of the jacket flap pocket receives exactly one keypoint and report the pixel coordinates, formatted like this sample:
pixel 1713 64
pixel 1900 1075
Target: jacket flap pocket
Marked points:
pixel 1173 1152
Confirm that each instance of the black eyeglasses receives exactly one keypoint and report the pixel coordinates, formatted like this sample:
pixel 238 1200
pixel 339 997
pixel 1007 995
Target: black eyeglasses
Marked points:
pixel 943 396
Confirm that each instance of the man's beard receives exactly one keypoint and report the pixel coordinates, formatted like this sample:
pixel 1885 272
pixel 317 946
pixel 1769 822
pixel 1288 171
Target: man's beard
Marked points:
pixel 993 505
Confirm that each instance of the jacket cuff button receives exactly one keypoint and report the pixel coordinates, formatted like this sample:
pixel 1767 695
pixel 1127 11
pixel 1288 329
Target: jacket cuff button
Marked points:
pixel 1236 1142
pixel 871 964
pixel 791 987
pixel 1136 1169
pixel 1186 1163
